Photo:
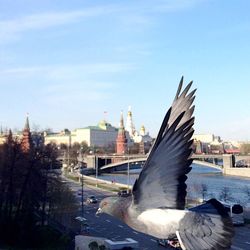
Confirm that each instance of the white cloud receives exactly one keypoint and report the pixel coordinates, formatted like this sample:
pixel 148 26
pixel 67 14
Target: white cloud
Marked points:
pixel 76 93
pixel 57 72
pixel 74 96
pixel 11 29
pixel 135 13
pixel 66 83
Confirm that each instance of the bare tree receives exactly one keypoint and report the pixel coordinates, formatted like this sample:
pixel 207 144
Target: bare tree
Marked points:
pixel 27 186
pixel 200 190
pixel 225 194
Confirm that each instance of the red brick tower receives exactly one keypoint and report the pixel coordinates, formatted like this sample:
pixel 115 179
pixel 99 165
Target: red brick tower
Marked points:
pixel 121 140
pixel 26 142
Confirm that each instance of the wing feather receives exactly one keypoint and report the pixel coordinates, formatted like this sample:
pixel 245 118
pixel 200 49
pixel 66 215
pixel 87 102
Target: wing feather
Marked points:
pixel 161 182
pixel 208 226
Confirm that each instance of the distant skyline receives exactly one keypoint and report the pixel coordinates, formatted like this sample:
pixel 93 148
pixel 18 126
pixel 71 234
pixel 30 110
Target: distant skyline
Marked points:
pixel 67 62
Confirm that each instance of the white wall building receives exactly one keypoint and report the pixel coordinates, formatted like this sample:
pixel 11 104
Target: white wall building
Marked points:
pixel 62 137
pixel 101 135
pixel 205 138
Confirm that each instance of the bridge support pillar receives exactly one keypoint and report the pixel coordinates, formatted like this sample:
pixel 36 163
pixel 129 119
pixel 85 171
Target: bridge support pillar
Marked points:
pixel 228 161
pixel 90 160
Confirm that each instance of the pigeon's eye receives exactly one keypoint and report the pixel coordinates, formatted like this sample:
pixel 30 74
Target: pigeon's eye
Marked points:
pixel 105 203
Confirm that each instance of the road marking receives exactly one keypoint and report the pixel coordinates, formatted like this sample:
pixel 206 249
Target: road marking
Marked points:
pixel 247 242
pixel 236 248
pixel 153 240
pixel 120 226
pixel 135 232
pixel 108 220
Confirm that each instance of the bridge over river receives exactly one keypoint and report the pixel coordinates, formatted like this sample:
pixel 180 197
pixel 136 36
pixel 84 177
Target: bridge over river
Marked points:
pixel 224 162
pixel 139 162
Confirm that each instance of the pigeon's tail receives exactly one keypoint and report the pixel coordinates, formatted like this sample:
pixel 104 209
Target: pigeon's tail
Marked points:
pixel 206 227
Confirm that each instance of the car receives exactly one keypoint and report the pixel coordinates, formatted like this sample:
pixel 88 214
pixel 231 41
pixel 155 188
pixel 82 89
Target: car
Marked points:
pixel 84 225
pixel 80 218
pixel 174 243
pixel 92 199
pixel 124 193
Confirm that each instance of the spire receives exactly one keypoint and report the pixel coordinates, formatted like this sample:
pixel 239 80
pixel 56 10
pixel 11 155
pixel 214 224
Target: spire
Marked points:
pixel 27 125
pixel 26 142
pixel 129 123
pixel 121 121
pixel 121 140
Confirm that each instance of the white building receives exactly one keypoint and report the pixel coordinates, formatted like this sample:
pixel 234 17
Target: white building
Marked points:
pixel 62 137
pixel 101 135
pixel 207 138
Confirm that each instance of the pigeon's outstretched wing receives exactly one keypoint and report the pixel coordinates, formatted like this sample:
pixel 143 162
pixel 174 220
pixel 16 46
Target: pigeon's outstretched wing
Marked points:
pixel 161 182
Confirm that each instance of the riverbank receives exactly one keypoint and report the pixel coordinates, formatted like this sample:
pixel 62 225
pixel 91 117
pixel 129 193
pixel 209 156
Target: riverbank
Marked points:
pixel 98 183
pixel 114 187
pixel 206 164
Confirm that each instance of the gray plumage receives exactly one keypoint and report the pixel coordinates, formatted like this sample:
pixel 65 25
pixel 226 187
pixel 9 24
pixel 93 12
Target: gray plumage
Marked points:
pixel 157 204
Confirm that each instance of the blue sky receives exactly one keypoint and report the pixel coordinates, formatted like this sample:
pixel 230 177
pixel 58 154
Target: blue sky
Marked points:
pixel 66 62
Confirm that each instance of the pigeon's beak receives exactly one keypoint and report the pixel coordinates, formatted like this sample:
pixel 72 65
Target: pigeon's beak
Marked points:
pixel 98 211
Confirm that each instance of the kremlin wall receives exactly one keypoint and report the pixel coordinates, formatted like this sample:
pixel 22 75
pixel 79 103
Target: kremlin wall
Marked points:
pixel 105 135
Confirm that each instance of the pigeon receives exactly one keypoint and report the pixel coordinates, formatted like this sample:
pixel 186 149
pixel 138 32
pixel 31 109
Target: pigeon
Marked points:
pixel 157 204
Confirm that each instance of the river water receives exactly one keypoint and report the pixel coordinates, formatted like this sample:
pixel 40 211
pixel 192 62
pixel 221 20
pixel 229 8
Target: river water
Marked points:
pixel 203 182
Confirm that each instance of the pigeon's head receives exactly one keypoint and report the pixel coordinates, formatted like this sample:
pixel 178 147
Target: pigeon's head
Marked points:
pixel 113 206
pixel 107 205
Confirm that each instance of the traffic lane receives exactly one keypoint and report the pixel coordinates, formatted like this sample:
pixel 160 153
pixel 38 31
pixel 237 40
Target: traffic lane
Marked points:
pixel 89 192
pixel 75 186
pixel 107 226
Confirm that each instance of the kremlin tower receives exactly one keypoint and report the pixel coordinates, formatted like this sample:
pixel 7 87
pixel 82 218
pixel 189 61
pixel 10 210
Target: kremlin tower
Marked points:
pixel 26 142
pixel 142 131
pixel 129 124
pixel 121 140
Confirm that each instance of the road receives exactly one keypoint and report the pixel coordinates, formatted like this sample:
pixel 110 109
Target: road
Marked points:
pixel 109 227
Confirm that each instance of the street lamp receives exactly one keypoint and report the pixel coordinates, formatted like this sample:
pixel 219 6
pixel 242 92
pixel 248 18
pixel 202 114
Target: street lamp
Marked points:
pixel 95 165
pixel 82 210
pixel 128 180
pixel 96 169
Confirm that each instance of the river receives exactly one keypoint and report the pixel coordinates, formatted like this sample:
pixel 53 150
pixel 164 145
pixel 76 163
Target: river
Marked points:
pixel 202 181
